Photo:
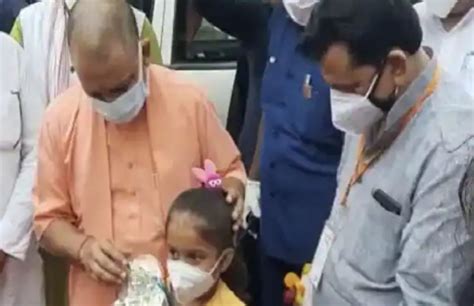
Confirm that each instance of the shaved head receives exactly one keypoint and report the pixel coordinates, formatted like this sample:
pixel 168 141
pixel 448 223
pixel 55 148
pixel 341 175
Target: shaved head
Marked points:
pixel 96 26
pixel 104 46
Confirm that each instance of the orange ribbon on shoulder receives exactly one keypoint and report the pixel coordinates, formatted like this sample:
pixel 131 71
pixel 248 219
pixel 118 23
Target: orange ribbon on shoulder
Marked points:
pixel 365 162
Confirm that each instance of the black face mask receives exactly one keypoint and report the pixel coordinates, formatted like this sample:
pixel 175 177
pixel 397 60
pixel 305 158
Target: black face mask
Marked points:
pixel 385 104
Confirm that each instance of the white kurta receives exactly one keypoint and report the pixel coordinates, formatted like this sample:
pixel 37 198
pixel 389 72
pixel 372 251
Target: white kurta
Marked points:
pixel 21 281
pixel 455 48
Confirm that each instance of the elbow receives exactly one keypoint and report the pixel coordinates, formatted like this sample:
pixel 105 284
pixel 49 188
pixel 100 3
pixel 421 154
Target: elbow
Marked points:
pixel 41 228
pixel 45 236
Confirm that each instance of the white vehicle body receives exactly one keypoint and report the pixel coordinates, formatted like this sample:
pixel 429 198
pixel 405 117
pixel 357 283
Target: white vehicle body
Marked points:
pixel 216 76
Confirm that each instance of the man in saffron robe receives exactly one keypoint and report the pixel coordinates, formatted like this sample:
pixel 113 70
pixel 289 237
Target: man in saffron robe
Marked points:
pixel 116 149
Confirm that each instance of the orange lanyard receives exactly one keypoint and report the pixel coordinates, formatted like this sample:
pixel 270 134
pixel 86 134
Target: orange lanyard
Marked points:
pixel 364 163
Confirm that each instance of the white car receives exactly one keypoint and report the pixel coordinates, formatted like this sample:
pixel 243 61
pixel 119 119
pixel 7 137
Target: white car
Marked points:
pixel 208 57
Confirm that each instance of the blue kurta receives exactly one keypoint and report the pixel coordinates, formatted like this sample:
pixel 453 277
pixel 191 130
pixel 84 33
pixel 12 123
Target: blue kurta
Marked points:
pixel 301 148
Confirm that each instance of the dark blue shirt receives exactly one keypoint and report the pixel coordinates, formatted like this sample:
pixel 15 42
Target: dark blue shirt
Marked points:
pixel 300 150
pixel 9 10
pixel 247 21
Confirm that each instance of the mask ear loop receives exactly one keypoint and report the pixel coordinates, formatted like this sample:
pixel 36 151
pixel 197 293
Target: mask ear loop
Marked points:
pixel 144 73
pixel 397 90
pixel 219 260
pixel 378 76
pixel 216 264
pixel 375 81
pixel 141 71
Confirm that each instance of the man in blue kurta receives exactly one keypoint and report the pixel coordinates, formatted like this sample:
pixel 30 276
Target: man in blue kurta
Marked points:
pixel 299 152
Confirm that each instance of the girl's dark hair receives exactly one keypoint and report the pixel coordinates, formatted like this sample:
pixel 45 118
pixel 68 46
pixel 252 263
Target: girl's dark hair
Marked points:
pixel 210 206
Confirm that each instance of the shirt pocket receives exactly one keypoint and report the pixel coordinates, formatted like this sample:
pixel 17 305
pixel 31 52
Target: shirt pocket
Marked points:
pixel 10 119
pixel 310 112
pixel 374 246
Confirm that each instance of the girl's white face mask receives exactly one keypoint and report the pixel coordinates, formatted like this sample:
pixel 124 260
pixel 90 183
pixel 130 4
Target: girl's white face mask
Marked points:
pixel 190 282
pixel 300 10
pixel 440 8
pixel 353 113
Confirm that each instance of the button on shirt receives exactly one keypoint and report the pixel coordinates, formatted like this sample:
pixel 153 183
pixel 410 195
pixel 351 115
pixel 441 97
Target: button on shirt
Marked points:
pixel 454 49
pixel 416 258
pixel 300 150
pixel 136 217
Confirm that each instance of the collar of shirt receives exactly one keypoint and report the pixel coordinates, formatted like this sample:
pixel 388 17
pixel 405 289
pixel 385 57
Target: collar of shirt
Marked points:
pixel 403 104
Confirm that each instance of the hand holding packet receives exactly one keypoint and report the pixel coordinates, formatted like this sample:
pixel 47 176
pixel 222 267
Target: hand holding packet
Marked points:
pixel 145 286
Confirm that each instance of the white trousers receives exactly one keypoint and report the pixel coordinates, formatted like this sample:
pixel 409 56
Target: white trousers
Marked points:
pixel 21 282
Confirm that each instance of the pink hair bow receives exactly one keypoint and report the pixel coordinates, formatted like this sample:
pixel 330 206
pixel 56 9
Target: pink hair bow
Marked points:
pixel 208 176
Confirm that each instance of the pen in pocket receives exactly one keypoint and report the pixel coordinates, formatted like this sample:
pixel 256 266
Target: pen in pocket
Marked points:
pixel 387 202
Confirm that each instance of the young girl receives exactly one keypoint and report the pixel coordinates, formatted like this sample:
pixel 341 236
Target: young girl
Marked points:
pixel 202 263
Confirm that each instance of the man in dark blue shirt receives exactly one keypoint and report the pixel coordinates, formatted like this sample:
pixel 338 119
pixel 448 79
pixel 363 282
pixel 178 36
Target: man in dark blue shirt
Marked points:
pixel 298 147
pixel 299 155
pixel 247 21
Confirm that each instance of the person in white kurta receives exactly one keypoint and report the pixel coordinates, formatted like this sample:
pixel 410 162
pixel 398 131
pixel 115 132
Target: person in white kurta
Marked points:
pixel 21 279
pixel 448 29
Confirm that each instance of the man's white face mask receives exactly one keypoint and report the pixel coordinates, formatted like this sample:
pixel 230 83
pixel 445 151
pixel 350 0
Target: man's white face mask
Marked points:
pixel 440 8
pixel 300 10
pixel 353 113
pixel 128 105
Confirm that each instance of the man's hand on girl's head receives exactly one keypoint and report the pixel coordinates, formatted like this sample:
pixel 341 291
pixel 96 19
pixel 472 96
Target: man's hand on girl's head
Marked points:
pixel 235 195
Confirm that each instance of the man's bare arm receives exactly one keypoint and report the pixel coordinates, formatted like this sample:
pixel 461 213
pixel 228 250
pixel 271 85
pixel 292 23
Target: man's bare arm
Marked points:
pixel 63 239
pixel 54 216
pixel 101 259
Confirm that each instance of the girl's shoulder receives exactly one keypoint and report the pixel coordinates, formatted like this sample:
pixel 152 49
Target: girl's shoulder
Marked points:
pixel 224 296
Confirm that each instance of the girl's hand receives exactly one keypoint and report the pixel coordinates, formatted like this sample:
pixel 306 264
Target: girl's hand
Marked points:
pixel 235 194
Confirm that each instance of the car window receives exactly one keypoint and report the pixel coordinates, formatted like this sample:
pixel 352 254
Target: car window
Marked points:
pixel 198 41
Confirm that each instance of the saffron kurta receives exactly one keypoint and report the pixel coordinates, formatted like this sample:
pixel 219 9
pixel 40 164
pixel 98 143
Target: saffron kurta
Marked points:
pixel 117 181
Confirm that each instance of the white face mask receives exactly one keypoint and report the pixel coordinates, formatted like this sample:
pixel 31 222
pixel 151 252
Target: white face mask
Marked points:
pixel 353 113
pixel 128 105
pixel 190 282
pixel 300 10
pixel 440 8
